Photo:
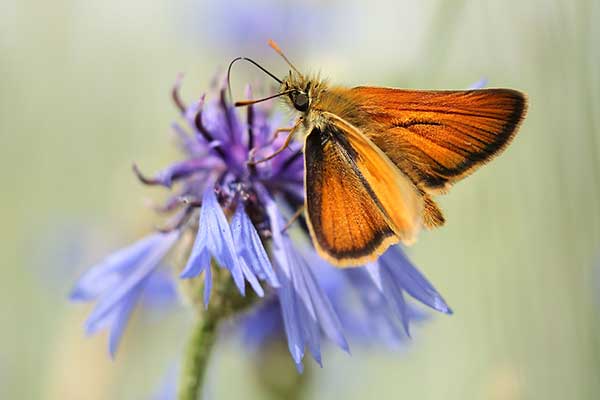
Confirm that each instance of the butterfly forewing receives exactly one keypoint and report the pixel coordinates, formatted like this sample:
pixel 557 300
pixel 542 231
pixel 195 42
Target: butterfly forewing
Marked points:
pixel 436 137
pixel 357 202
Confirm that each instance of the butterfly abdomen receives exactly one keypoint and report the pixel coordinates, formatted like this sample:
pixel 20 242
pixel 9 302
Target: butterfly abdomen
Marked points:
pixel 432 215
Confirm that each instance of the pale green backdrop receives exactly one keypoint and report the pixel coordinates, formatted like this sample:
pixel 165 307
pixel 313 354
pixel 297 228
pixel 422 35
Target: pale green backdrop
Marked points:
pixel 84 91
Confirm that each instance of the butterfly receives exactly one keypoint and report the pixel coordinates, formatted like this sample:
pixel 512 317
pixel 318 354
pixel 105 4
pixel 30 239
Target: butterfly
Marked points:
pixel 375 156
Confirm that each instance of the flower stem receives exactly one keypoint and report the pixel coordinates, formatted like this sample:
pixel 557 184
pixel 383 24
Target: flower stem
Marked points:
pixel 197 355
pixel 225 302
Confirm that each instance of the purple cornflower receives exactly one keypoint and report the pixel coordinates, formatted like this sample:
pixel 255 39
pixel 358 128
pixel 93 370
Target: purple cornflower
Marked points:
pixel 237 212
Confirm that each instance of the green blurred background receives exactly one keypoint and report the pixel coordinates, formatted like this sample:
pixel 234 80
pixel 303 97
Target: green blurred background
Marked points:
pixel 84 91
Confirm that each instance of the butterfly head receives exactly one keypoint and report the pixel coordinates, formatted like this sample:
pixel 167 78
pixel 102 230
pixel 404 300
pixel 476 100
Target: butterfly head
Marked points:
pixel 301 91
pixel 298 89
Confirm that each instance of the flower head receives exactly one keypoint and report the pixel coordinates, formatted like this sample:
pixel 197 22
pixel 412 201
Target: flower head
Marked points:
pixel 237 211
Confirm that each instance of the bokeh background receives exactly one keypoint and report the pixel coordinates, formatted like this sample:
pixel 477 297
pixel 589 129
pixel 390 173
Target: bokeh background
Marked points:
pixel 84 91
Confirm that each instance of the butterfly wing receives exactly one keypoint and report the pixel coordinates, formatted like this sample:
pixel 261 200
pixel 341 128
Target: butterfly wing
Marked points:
pixel 357 202
pixel 436 137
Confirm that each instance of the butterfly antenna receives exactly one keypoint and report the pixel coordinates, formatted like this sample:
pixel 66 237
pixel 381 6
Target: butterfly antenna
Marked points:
pixel 250 102
pixel 252 62
pixel 275 47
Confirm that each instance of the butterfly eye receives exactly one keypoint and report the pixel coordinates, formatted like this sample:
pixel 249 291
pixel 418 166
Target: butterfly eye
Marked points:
pixel 301 101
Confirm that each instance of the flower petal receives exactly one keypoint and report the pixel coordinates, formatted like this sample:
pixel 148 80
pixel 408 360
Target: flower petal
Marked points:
pixel 110 270
pixel 392 291
pixel 328 318
pixel 411 280
pixel 207 285
pixel 199 259
pixel 251 249
pixel 480 84
pixel 305 308
pixel 262 324
pixel 145 266
pixel 291 319
pixel 159 289
pixel 120 322
pixel 214 238
pixel 219 237
pixel 376 324
pixel 251 278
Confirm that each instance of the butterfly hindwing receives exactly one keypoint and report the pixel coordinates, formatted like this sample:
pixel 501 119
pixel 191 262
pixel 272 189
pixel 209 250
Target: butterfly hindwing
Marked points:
pixel 357 202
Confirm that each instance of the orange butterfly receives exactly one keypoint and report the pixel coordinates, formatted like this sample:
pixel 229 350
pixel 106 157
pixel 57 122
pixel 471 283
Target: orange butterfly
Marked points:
pixel 375 156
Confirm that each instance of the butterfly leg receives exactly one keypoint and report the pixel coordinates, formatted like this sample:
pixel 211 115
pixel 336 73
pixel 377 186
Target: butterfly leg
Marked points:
pixel 284 146
pixel 278 131
pixel 293 219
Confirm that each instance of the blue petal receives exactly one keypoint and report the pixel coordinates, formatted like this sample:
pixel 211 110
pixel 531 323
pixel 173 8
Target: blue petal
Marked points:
pixel 376 324
pixel 328 319
pixel 252 251
pixel 375 273
pixel 291 319
pixel 305 307
pixel 159 289
pixel 199 262
pixel 251 278
pixel 168 386
pixel 214 238
pixel 220 239
pixel 287 298
pixel 393 274
pixel 411 280
pixel 480 84
pixel 145 266
pixel 120 322
pixel 262 324
pixel 207 285
pixel 109 272
pixel 199 259
pixel 392 291
pixel 118 282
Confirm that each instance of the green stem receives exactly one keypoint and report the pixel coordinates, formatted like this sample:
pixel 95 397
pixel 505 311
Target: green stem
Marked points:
pixel 225 301
pixel 197 355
